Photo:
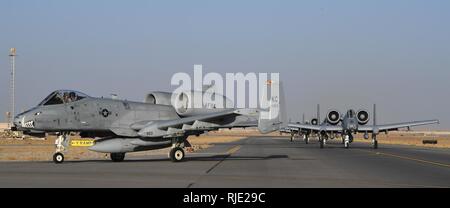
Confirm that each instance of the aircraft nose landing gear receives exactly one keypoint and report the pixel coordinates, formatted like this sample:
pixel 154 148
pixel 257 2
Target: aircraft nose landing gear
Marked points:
pixel 374 141
pixel 322 142
pixel 58 158
pixel 346 142
pixel 61 143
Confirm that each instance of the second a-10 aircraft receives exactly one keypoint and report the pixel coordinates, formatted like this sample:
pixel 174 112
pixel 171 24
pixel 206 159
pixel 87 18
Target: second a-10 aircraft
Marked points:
pixel 121 126
pixel 346 125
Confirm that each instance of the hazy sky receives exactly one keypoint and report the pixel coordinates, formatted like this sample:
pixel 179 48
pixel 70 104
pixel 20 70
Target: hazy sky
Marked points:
pixel 342 54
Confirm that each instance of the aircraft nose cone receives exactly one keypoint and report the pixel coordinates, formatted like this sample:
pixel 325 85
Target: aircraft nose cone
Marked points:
pixel 17 121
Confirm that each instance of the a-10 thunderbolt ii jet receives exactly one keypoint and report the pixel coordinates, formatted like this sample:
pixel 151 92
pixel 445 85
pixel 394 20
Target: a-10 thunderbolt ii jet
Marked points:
pixel 121 126
pixel 346 125
pixel 297 131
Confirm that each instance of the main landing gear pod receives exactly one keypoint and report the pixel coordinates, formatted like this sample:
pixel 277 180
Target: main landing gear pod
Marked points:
pixel 117 157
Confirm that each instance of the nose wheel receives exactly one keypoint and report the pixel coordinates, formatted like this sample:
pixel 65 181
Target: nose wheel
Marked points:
pixel 58 157
pixel 321 142
pixel 374 141
pixel 375 144
pixel 347 141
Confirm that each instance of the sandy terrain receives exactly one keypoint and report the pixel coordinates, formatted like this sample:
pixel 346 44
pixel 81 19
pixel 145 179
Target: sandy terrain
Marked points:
pixel 412 138
pixel 3 126
pixel 42 150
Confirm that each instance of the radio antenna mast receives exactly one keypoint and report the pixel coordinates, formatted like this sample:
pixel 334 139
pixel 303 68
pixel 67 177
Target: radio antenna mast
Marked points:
pixel 12 58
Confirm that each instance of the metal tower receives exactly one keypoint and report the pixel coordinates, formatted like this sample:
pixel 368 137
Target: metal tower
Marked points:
pixel 12 58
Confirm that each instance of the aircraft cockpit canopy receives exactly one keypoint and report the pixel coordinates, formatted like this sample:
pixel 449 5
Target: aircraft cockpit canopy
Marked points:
pixel 62 97
pixel 351 113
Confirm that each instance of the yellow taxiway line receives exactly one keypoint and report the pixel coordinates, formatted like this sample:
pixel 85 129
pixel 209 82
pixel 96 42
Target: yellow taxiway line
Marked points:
pixel 407 158
pixel 234 149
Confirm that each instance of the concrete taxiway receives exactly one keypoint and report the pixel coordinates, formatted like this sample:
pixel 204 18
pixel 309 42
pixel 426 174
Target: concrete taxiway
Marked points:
pixel 251 162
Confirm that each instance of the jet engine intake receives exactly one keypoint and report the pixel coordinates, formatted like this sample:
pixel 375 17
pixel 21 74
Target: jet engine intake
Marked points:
pixel 363 117
pixel 160 98
pixel 199 103
pixel 333 117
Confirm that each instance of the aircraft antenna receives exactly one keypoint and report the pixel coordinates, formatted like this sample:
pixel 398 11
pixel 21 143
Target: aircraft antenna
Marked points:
pixel 12 59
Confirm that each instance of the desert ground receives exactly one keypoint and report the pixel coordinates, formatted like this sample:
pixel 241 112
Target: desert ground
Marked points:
pixel 33 149
pixel 37 149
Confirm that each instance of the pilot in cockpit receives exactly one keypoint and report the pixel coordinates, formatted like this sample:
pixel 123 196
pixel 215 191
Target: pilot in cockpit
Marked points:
pixel 72 97
pixel 66 97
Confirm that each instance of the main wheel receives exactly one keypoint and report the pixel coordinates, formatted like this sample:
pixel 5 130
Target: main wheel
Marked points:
pixel 177 154
pixel 58 158
pixel 306 140
pixel 117 157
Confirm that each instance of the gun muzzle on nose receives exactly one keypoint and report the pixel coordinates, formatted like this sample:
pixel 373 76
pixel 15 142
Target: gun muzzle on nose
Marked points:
pixel 16 122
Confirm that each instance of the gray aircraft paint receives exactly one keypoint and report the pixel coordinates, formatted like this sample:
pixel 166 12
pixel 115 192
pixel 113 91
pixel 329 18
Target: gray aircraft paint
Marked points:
pixel 123 126
pixel 350 124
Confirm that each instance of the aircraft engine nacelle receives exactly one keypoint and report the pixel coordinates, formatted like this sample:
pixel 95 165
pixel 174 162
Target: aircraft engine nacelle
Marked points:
pixel 363 117
pixel 198 103
pixel 160 98
pixel 333 117
pixel 314 122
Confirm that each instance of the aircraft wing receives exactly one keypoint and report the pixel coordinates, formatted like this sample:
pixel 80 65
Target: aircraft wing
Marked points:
pixel 182 126
pixel 395 126
pixel 269 120
pixel 315 127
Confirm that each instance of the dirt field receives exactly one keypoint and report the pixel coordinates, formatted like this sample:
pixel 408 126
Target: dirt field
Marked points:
pixel 42 150
pixel 412 138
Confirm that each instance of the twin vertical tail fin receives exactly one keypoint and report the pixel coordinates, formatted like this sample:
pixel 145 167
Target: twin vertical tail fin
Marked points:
pixel 318 115
pixel 374 114
pixel 274 117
